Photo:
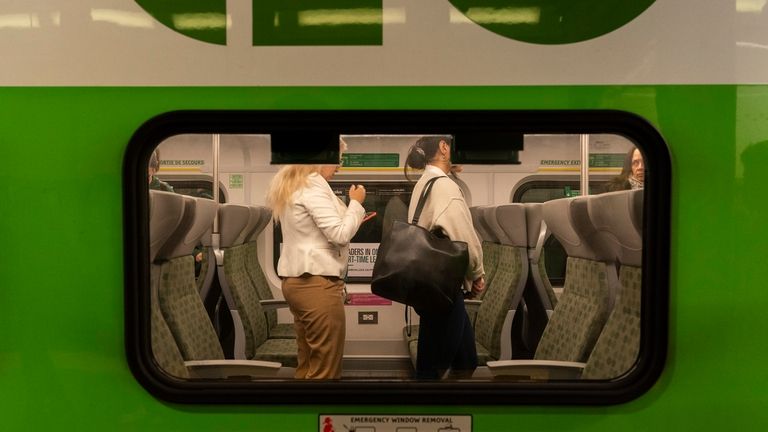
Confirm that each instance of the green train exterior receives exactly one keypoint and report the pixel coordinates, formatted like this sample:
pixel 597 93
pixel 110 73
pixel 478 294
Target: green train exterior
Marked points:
pixel 63 362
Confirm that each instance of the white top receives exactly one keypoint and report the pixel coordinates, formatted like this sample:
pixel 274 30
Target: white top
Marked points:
pixel 446 210
pixel 317 228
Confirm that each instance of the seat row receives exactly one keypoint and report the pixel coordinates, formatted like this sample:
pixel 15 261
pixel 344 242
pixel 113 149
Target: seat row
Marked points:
pixel 184 341
pixel 593 331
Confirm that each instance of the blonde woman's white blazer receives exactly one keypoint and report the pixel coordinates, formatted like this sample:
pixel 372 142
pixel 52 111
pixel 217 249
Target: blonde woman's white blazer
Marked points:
pixel 317 228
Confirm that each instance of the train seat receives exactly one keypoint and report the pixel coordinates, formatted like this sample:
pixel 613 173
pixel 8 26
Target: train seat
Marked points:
pixel 539 298
pixel 259 280
pixel 181 307
pixel 581 312
pixel 614 215
pixel 165 212
pixel 537 236
pixel 236 223
pixel 503 297
pixel 488 241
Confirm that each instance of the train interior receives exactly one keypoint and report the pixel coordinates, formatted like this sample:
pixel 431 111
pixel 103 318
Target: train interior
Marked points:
pixel 563 268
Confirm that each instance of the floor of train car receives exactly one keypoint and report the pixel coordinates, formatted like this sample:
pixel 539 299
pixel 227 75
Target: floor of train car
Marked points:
pixel 378 360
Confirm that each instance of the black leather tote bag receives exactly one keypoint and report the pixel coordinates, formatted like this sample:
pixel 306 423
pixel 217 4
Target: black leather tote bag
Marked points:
pixel 419 268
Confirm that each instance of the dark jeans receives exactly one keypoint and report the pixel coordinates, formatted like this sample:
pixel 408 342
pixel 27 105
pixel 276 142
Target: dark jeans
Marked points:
pixel 446 341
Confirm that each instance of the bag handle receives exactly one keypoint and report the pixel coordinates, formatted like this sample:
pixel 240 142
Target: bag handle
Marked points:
pixel 423 198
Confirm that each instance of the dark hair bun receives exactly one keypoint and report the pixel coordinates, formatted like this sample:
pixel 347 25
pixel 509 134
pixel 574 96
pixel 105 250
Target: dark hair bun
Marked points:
pixel 416 159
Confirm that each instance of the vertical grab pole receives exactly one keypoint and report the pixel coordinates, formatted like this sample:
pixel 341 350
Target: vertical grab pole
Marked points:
pixel 215 146
pixel 584 144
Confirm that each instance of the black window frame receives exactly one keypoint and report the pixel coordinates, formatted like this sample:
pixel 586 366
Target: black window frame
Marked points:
pixel 655 284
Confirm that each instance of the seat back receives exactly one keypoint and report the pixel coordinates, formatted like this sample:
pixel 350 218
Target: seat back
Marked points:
pixel 236 223
pixel 538 296
pixel 502 298
pixel 488 243
pixel 537 236
pixel 263 216
pixel 165 213
pixel 614 215
pixel 179 300
pixel 582 310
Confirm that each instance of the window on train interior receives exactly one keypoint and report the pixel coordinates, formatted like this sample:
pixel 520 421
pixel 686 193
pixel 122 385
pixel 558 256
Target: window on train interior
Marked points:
pixel 222 319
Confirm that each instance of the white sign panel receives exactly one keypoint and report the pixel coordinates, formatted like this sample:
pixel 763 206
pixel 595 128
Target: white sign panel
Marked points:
pixel 394 423
pixel 425 42
pixel 362 257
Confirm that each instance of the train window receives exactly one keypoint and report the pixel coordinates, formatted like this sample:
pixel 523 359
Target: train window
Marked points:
pixel 207 319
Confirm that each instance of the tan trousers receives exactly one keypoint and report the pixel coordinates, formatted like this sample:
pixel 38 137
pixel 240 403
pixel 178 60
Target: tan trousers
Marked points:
pixel 318 315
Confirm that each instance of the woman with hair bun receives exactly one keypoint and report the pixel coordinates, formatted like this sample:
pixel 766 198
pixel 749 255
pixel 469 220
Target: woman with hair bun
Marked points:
pixel 446 341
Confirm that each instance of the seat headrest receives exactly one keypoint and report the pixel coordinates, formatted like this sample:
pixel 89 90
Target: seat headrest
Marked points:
pixel 511 219
pixel 168 250
pixel 235 222
pixel 488 221
pixel 612 216
pixel 165 213
pixel 199 214
pixel 568 219
pixel 533 218
pixel 207 238
pixel 263 216
pixel 478 221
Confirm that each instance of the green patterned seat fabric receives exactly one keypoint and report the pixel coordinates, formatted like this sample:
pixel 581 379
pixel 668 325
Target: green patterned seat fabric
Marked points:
pixel 259 280
pixel 264 292
pixel 282 331
pixel 580 314
pixel 498 300
pixel 545 280
pixel 278 350
pixel 257 344
pixel 491 253
pixel 164 349
pixel 619 344
pixel 491 257
pixel 483 355
pixel 203 268
pixel 183 310
pixel 245 298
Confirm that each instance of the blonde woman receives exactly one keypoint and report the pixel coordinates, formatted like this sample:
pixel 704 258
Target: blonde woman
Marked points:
pixel 317 228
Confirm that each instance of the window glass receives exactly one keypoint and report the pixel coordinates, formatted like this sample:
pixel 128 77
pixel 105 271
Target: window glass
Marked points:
pixel 213 292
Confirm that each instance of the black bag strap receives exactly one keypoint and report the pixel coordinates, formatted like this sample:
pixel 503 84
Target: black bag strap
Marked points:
pixel 423 198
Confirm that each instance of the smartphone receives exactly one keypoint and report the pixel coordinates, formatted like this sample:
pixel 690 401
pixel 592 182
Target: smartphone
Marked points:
pixel 369 215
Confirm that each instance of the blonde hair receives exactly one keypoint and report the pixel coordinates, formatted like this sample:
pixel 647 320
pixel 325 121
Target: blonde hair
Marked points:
pixel 285 183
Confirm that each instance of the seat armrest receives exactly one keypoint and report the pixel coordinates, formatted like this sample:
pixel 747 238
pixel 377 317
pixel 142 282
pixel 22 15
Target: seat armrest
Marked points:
pixel 273 304
pixel 231 368
pixel 536 369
